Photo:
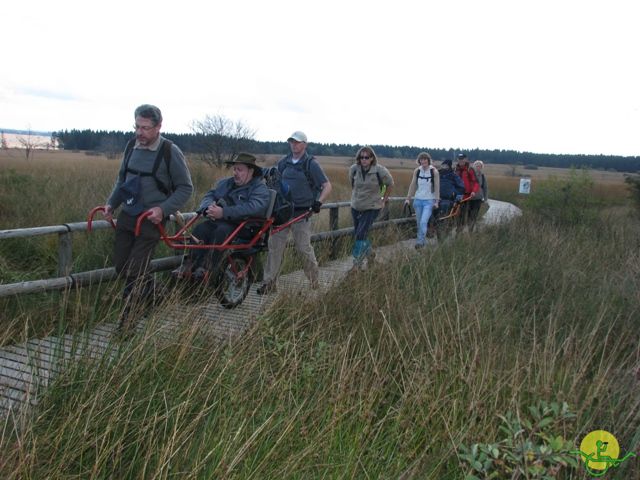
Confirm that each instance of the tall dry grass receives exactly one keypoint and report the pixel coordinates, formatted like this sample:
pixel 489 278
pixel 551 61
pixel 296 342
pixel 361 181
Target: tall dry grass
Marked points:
pixel 56 187
pixel 385 376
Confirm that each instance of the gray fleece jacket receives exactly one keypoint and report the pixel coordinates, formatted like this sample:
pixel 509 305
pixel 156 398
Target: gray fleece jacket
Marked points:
pixel 177 178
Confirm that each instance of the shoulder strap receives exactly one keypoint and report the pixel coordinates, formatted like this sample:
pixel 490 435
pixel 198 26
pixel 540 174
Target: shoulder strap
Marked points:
pixel 164 152
pixel 307 172
pixel 306 169
pixel 433 182
pixel 127 153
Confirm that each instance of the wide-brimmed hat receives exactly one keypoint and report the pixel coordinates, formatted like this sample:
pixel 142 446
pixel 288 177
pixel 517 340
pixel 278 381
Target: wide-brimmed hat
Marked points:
pixel 246 159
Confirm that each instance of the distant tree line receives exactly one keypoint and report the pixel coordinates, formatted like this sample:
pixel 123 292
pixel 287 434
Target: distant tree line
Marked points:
pixel 112 143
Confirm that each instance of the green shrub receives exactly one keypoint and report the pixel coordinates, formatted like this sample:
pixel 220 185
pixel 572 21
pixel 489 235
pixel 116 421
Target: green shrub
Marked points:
pixel 567 201
pixel 531 448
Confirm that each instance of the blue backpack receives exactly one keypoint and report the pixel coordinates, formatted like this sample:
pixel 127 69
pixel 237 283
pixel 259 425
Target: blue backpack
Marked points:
pixel 283 206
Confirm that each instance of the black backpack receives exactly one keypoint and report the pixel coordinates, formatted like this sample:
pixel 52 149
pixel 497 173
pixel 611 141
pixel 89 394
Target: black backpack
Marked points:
pixel 283 206
pixel 163 152
pixel 306 169
pixel 433 184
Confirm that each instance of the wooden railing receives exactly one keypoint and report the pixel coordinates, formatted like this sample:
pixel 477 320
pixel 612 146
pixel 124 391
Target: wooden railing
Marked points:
pixel 68 279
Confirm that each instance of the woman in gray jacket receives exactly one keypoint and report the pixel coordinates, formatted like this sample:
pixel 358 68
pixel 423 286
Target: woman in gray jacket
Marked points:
pixel 371 185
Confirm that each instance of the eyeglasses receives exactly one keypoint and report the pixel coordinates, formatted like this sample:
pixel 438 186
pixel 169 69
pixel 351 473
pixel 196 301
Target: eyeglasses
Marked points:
pixel 364 157
pixel 144 128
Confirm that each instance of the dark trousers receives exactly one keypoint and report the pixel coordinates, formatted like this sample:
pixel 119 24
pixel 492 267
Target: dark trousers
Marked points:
pixel 211 233
pixel 131 255
pixel 474 211
pixel 469 211
pixel 362 221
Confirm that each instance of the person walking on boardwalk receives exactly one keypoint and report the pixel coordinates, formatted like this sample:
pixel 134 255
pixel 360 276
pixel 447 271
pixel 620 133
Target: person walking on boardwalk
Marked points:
pixel 451 187
pixel 154 178
pixel 309 187
pixel 478 166
pixel 425 192
pixel 371 185
pixel 470 208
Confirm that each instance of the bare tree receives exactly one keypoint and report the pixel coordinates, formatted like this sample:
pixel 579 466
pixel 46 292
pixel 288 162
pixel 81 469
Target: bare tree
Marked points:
pixel 222 138
pixel 29 142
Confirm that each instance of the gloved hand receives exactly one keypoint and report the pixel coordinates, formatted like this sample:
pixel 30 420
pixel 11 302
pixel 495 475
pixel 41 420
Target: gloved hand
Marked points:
pixel 316 206
pixel 458 198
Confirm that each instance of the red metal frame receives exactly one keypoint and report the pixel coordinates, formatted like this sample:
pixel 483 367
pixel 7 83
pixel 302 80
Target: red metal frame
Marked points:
pixel 455 210
pixel 170 240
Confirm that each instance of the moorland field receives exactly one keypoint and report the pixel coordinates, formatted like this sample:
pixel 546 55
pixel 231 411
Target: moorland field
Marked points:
pixel 489 356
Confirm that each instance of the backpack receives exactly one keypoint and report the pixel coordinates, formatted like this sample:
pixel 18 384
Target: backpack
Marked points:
pixel 283 206
pixel 433 184
pixel 306 168
pixel 163 152
pixel 355 172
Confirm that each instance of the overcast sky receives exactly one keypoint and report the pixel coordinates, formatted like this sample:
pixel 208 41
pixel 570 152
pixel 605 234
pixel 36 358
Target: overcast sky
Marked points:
pixel 550 76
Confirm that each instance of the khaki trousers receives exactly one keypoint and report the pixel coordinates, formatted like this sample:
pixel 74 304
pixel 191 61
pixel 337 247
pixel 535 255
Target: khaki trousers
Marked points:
pixel 302 240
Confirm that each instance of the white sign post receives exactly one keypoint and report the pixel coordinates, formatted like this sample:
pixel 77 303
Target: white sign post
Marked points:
pixel 525 186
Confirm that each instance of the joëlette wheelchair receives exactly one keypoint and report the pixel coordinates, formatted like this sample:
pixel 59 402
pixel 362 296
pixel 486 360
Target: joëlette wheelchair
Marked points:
pixel 237 271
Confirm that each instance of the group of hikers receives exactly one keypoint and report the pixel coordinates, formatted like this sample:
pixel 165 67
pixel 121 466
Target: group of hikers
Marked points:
pixel 154 178
pixel 433 191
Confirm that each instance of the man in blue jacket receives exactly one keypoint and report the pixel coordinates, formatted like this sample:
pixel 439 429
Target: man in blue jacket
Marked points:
pixel 233 200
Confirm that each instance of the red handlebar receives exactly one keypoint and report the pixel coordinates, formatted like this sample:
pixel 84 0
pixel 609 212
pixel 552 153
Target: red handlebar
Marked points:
pixel 92 214
pixel 170 240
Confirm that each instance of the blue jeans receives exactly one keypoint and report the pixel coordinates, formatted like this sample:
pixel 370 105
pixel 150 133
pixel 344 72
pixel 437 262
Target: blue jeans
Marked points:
pixel 362 221
pixel 423 209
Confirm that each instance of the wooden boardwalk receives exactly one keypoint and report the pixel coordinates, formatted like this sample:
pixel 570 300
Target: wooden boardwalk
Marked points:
pixel 27 369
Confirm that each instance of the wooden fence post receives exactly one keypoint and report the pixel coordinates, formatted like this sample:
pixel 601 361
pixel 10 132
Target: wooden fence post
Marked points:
pixel 65 253
pixel 333 225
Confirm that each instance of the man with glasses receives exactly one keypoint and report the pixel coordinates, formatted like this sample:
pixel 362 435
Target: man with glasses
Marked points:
pixel 154 178
pixel 309 187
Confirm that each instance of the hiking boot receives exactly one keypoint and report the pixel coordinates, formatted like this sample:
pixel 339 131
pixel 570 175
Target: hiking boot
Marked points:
pixel 126 326
pixel 200 274
pixel 183 271
pixel 266 288
pixel 314 284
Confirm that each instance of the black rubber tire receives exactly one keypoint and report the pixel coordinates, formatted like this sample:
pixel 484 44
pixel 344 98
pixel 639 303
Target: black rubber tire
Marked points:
pixel 230 290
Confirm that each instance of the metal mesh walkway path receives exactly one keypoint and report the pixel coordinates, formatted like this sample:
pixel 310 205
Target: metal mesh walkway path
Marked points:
pixel 26 369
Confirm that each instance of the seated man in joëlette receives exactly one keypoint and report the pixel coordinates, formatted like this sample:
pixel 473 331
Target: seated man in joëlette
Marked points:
pixel 234 199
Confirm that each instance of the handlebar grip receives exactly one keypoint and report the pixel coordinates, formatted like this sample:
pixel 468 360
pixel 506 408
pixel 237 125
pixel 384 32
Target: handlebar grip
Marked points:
pixel 141 218
pixel 92 213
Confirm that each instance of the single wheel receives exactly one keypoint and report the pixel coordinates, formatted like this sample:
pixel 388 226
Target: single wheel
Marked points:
pixel 235 280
